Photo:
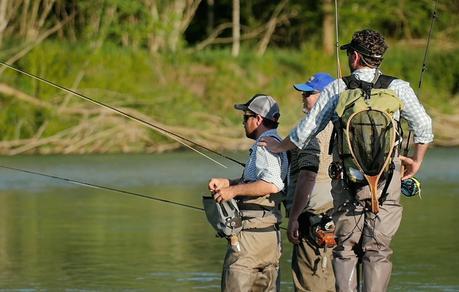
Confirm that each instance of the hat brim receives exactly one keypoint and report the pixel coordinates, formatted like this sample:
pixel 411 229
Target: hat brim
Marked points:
pixel 346 46
pixel 303 87
pixel 241 107
pixel 360 49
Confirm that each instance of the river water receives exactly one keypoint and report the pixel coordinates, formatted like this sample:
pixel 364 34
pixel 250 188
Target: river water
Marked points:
pixel 55 235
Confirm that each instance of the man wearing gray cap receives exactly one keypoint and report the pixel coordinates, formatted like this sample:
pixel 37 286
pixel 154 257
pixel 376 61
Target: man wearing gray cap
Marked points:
pixel 254 265
pixel 357 227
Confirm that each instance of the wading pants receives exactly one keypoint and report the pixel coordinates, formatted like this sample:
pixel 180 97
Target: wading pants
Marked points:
pixel 256 266
pixel 360 229
pixel 308 268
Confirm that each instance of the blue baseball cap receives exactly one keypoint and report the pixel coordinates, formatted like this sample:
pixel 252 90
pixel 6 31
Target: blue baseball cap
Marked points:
pixel 316 83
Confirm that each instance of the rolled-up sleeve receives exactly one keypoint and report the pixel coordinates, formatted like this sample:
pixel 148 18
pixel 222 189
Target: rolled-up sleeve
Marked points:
pixel 268 167
pixel 418 119
pixel 309 158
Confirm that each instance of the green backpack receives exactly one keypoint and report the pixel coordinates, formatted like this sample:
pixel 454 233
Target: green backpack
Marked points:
pixel 367 132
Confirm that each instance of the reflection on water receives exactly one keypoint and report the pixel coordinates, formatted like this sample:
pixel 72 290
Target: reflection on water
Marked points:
pixel 55 235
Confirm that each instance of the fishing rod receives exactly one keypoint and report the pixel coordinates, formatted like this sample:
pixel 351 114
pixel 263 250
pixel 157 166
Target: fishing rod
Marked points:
pixel 339 75
pixel 338 64
pixel 100 187
pixel 162 130
pixel 423 69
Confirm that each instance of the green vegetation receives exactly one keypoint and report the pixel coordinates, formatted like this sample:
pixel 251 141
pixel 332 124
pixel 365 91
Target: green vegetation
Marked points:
pixel 193 92
pixel 180 64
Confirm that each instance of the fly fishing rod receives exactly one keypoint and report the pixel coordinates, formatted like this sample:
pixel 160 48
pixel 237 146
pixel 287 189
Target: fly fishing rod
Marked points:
pixel 423 69
pixel 100 187
pixel 162 130
pixel 358 265
pixel 338 63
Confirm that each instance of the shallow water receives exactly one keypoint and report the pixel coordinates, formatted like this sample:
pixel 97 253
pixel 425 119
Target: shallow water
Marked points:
pixel 56 235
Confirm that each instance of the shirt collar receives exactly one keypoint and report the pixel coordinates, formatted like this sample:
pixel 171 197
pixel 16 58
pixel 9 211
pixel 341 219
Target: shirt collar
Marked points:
pixel 271 132
pixel 364 71
pixel 365 74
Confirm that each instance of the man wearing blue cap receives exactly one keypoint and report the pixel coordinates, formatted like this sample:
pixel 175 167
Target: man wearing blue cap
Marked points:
pixel 310 190
pixel 357 229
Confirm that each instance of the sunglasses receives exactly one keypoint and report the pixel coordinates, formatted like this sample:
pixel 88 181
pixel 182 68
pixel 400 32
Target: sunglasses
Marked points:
pixel 308 93
pixel 246 117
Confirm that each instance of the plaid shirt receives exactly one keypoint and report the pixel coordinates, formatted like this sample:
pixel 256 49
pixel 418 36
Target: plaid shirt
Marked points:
pixel 324 110
pixel 264 165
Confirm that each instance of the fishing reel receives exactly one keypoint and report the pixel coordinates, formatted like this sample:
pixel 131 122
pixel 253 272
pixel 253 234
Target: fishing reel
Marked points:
pixel 323 232
pixel 335 170
pixel 411 187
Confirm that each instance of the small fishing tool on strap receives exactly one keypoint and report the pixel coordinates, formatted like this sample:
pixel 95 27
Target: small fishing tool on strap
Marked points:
pixel 225 218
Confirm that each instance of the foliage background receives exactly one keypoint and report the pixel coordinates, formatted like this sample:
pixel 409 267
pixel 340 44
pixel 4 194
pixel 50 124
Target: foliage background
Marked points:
pixel 171 63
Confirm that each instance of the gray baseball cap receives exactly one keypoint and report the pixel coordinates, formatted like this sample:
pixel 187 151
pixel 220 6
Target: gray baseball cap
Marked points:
pixel 263 105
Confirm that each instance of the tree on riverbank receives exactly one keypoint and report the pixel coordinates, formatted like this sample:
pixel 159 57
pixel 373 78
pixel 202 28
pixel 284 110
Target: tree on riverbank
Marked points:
pixel 171 63
pixel 159 25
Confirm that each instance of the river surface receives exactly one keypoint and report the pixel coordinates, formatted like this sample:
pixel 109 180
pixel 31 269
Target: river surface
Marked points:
pixel 60 236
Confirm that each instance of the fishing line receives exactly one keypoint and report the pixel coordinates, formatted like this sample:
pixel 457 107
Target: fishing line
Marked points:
pixel 423 69
pixel 100 187
pixel 91 185
pixel 166 132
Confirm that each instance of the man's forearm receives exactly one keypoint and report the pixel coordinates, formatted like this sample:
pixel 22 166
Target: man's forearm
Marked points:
pixel 304 186
pixel 256 189
pixel 233 182
pixel 420 151
pixel 277 147
pixel 287 144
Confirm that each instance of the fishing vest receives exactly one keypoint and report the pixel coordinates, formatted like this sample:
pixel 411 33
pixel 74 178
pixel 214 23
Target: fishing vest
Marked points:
pixel 366 133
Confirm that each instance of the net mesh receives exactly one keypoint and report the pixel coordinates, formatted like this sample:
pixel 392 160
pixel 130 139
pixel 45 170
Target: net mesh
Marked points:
pixel 370 138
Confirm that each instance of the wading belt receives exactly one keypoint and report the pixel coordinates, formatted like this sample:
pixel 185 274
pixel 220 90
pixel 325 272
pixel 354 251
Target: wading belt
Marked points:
pixel 274 227
pixel 255 207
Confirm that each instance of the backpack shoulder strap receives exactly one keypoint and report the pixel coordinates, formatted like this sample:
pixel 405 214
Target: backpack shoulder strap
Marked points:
pixel 351 82
pixel 384 81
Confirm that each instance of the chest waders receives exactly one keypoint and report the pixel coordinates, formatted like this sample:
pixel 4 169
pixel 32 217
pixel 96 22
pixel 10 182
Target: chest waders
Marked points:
pixel 227 217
